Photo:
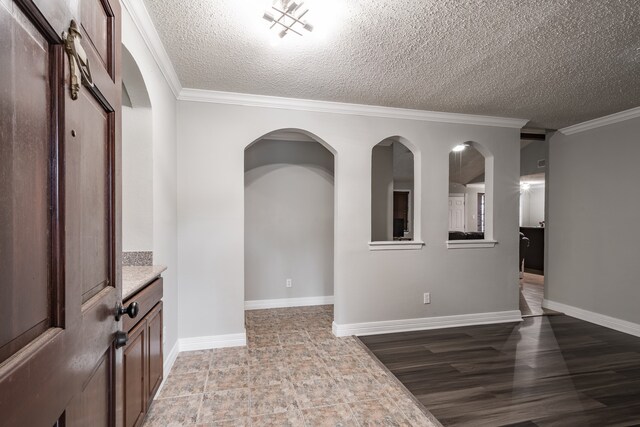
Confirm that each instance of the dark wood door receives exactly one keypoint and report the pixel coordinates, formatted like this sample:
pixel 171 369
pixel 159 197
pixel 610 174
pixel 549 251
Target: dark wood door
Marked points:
pixel 59 214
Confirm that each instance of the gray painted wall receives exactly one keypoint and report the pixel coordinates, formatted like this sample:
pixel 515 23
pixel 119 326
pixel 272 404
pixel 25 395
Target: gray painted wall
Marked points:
pixel 382 193
pixel 530 155
pixel 288 220
pixel 137 179
pixel 592 218
pixel 368 285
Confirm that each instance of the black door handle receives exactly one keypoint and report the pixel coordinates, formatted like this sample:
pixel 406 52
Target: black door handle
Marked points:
pixel 121 339
pixel 131 310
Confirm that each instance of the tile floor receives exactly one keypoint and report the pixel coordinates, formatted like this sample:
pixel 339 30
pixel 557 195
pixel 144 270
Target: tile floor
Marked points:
pixel 293 372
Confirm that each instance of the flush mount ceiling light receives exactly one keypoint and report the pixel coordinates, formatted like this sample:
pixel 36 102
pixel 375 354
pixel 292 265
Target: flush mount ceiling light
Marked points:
pixel 525 186
pixel 287 15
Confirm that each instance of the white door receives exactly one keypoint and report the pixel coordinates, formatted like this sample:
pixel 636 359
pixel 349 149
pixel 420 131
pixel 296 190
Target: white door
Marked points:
pixel 456 213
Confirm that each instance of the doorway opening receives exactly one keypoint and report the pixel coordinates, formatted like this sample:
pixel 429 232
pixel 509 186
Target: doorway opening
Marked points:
pixel 533 170
pixel 289 221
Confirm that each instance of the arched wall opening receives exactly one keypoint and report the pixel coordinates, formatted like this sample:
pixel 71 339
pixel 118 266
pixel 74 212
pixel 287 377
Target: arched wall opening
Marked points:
pixel 395 191
pixel 289 220
pixel 470 192
pixel 137 165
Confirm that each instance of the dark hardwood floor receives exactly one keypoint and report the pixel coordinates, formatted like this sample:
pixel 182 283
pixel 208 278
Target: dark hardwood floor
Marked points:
pixel 549 370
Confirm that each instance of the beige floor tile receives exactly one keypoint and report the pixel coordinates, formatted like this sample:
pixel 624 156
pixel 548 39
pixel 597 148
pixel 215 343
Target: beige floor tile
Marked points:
pixel 294 338
pixel 228 378
pixel 293 372
pixel 265 356
pixel 240 422
pixel 330 416
pixel 224 405
pixel 314 393
pixel 381 412
pixel 297 352
pixel 359 387
pixel 232 357
pixel 192 361
pixel 344 365
pixel 268 375
pixel 183 385
pixel 307 369
pixel 273 399
pixel 172 412
pixel 283 419
pixel 261 341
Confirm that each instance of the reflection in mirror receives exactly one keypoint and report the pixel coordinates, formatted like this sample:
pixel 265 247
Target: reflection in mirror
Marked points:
pixel 392 184
pixel 467 207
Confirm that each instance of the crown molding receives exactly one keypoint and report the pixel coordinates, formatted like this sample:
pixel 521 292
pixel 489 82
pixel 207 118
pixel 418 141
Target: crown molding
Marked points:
pixel 143 22
pixel 248 100
pixel 602 121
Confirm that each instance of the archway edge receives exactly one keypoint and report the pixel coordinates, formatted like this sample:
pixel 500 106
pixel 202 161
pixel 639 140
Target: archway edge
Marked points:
pixel 305 132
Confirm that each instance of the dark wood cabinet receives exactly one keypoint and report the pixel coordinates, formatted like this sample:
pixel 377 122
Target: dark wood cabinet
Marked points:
pixel 142 356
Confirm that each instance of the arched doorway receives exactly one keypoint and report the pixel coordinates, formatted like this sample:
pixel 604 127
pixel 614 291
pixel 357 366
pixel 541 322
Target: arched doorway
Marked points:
pixel 289 221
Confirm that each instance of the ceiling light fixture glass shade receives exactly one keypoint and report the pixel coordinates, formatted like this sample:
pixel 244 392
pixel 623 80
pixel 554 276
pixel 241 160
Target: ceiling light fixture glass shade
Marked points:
pixel 460 147
pixel 287 15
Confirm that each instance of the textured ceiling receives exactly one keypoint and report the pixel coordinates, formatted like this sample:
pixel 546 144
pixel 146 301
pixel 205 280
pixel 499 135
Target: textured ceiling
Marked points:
pixel 555 62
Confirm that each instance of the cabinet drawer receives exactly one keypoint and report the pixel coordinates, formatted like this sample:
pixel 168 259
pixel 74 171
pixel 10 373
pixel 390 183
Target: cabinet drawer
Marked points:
pixel 147 298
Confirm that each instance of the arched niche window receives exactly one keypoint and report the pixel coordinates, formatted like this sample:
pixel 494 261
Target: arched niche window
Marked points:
pixel 393 196
pixel 137 165
pixel 470 187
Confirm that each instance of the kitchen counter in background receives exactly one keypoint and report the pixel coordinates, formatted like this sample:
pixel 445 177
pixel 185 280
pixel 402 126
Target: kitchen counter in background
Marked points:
pixel 136 277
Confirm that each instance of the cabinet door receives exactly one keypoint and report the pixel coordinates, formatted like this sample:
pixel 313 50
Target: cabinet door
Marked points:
pixel 135 378
pixel 154 322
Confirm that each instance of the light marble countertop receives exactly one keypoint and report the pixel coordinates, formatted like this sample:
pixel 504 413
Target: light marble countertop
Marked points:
pixel 136 277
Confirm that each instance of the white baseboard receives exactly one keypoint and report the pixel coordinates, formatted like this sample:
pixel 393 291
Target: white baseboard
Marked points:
pixel 287 302
pixel 424 323
pixel 168 364
pixel 214 341
pixel 590 316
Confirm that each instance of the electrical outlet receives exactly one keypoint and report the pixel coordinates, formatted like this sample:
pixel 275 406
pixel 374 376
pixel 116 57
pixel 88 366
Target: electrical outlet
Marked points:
pixel 427 298
pixel 289 283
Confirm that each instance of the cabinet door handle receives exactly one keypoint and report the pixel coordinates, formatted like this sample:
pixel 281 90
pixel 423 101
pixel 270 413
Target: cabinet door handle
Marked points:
pixel 121 339
pixel 131 310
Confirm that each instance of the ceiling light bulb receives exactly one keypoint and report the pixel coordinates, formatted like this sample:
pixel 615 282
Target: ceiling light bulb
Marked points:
pixel 525 186
pixel 282 33
pixel 308 26
pixel 292 7
pixel 459 148
pixel 269 17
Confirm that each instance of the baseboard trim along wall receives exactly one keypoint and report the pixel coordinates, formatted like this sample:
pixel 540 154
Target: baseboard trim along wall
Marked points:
pixel 287 302
pixel 168 364
pixel 405 325
pixel 590 316
pixel 213 341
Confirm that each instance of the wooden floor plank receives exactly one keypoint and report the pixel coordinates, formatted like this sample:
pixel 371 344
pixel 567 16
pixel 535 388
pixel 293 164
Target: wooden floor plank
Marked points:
pixel 544 371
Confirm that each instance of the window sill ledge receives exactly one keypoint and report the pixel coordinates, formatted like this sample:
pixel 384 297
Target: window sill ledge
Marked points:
pixel 470 244
pixel 396 245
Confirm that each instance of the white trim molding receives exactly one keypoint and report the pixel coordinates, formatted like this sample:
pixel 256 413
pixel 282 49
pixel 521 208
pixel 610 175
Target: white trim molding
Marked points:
pixel 169 360
pixel 214 341
pixel 424 323
pixel 287 302
pixel 249 100
pixel 597 318
pixel 471 244
pixel 602 121
pixel 147 29
pixel 396 245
